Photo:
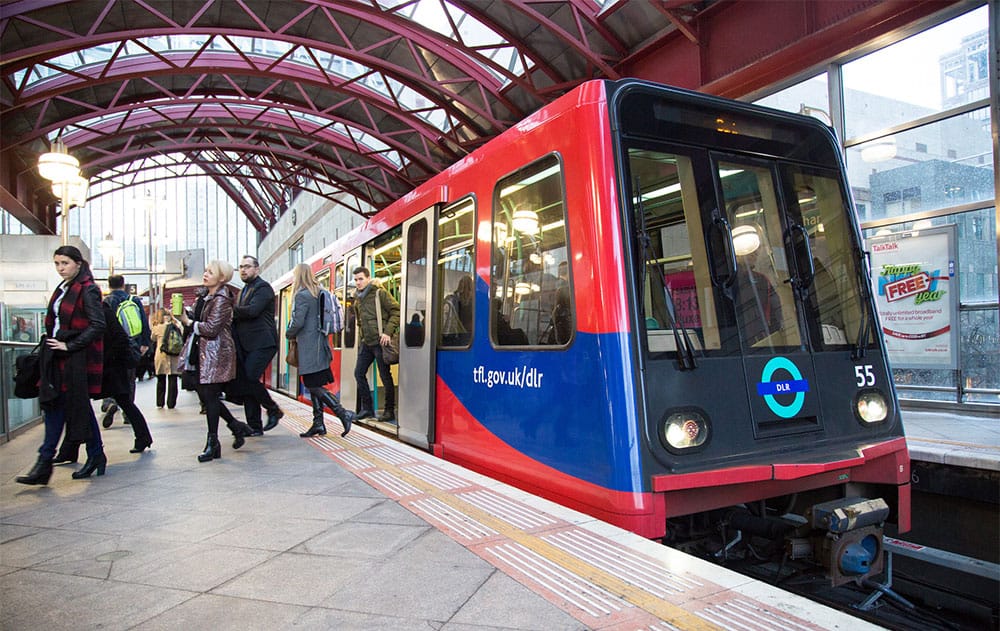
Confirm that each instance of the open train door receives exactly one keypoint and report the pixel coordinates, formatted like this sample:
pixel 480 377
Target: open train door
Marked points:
pixel 415 407
pixel 349 347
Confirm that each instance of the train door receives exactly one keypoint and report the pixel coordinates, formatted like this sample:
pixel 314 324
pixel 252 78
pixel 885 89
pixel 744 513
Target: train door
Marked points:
pixel 349 338
pixel 771 324
pixel 385 263
pixel 415 406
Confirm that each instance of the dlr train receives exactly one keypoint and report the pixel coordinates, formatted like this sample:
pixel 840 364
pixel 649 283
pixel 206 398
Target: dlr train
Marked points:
pixel 649 305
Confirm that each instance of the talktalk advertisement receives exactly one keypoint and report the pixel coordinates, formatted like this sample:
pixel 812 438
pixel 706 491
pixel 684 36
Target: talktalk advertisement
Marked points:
pixel 916 294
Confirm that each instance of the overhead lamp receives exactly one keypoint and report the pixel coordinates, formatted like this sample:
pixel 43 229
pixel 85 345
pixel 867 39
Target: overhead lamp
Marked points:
pixel 879 151
pixel 746 240
pixel 73 190
pixel 525 221
pixel 110 250
pixel 57 165
pixel 522 288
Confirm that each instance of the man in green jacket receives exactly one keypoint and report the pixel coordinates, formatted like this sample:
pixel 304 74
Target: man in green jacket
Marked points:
pixel 373 340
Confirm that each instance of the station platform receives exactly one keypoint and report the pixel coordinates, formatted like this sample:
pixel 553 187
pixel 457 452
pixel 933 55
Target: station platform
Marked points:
pixel 336 533
pixel 944 437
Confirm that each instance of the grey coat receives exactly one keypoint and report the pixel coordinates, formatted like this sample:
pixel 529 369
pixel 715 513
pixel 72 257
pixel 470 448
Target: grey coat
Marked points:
pixel 314 347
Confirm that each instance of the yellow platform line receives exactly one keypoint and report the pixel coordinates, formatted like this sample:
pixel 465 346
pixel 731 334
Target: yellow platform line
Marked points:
pixel 660 608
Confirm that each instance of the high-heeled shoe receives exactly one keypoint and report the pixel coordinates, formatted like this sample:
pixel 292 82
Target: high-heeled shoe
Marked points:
pixel 39 474
pixel 140 446
pixel 212 449
pixel 98 463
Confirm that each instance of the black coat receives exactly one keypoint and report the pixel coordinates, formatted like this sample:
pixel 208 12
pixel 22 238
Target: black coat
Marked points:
pixel 119 357
pixel 253 317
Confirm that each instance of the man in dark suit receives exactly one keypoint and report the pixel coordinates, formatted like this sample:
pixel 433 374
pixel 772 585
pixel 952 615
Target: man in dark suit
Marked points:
pixel 256 337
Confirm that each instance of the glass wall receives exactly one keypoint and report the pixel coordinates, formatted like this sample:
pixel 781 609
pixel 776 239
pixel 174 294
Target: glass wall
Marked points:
pixel 162 214
pixel 915 121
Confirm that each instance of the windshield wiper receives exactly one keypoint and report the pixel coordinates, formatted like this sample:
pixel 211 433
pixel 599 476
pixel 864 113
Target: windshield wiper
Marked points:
pixel 864 327
pixel 685 354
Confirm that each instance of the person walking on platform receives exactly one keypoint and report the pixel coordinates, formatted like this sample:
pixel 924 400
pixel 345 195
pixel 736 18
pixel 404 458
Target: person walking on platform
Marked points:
pixel 133 319
pixel 211 348
pixel 256 337
pixel 72 363
pixel 372 341
pixel 311 314
pixel 118 383
pixel 168 337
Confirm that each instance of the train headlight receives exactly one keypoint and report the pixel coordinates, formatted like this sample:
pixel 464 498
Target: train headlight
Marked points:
pixel 684 430
pixel 871 406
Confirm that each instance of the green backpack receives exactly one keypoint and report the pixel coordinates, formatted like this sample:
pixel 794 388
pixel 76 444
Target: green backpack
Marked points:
pixel 130 316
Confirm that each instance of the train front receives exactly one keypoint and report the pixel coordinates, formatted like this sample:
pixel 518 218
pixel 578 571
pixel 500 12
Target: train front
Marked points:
pixel 769 412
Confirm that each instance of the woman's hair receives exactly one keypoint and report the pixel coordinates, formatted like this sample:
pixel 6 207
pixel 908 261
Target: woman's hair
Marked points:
pixel 74 253
pixel 466 288
pixel 221 269
pixel 160 316
pixel 302 277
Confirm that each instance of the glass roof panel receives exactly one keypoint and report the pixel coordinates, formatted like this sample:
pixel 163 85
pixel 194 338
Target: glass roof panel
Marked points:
pixel 407 98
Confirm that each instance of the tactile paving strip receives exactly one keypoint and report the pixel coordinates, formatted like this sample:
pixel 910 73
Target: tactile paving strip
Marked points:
pixel 598 581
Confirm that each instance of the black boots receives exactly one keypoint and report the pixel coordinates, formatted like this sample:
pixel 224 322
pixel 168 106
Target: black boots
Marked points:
pixel 318 427
pixel 212 449
pixel 39 474
pixel 346 417
pixel 98 463
pixel 240 432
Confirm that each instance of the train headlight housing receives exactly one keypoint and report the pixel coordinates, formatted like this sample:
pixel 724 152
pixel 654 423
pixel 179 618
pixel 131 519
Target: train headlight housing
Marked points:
pixel 871 406
pixel 684 429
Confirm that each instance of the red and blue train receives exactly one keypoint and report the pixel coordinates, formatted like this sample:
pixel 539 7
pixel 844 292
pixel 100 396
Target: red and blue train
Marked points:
pixel 652 306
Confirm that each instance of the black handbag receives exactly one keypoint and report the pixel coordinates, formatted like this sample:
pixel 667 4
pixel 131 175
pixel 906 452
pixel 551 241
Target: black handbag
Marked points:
pixel 28 373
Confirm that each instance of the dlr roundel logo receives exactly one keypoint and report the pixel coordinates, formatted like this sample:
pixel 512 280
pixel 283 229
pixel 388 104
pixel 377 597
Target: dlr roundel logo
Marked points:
pixel 770 387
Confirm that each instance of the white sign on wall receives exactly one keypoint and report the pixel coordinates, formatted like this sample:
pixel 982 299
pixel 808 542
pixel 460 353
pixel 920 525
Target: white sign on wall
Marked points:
pixel 916 293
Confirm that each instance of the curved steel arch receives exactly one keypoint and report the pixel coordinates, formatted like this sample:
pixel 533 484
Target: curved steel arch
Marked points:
pixel 220 63
pixel 163 138
pixel 425 161
pixel 400 34
pixel 360 185
pixel 110 181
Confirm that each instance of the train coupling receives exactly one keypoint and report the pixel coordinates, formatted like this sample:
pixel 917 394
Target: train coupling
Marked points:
pixel 848 537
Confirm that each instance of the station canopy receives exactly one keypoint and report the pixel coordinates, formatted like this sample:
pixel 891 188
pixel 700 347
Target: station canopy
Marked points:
pixel 358 101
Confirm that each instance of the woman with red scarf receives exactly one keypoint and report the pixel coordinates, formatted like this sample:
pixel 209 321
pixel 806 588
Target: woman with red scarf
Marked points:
pixel 72 363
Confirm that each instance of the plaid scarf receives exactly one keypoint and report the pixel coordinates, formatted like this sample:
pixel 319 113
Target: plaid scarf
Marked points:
pixel 73 318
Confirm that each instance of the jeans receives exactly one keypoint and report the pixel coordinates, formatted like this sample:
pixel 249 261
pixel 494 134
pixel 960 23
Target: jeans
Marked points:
pixel 55 421
pixel 367 355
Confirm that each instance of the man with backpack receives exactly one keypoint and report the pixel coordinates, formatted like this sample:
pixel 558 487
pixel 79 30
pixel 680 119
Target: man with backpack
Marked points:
pixel 132 317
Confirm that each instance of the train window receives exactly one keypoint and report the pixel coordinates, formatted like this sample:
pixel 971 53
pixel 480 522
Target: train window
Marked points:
pixel 416 285
pixel 386 264
pixel 456 273
pixel 350 320
pixel 339 290
pixel 765 307
pixel 836 296
pixel 677 273
pixel 530 293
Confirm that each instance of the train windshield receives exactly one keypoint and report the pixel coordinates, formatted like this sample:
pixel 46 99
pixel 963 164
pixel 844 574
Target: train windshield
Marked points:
pixel 772 269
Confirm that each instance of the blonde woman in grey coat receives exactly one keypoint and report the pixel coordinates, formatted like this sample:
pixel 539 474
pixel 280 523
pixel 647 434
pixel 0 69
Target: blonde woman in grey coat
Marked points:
pixel 314 350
